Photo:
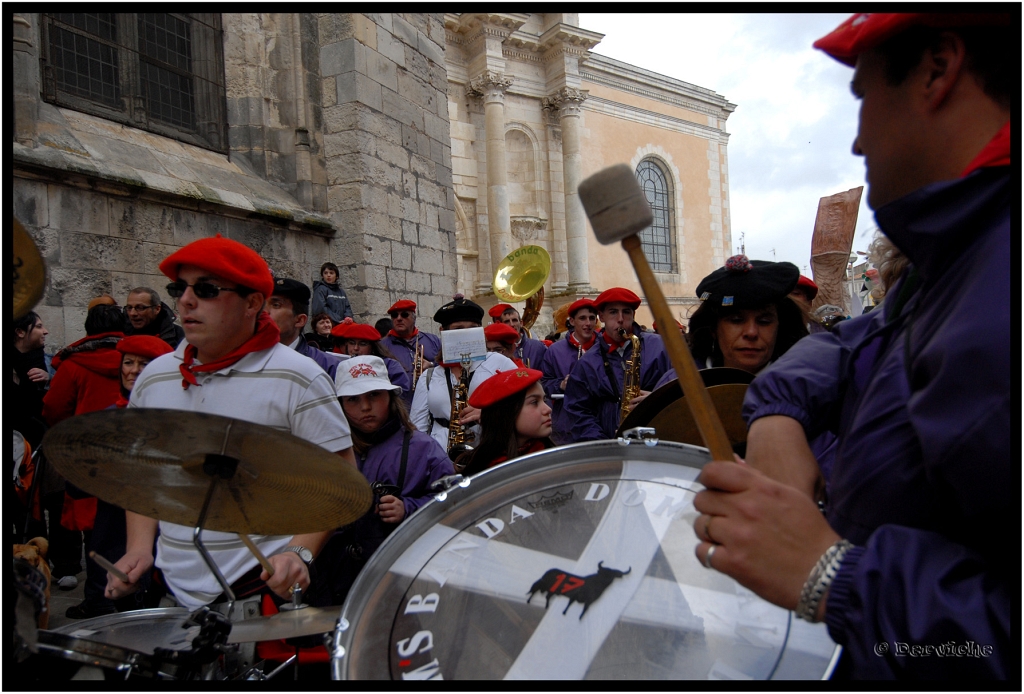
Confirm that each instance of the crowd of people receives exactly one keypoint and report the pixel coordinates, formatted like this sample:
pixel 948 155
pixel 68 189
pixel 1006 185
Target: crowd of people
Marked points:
pixel 877 463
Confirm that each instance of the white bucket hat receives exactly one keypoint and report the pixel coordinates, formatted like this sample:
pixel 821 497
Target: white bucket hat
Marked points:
pixel 360 375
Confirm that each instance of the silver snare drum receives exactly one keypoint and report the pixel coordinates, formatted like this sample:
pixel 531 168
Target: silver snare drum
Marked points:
pixel 573 563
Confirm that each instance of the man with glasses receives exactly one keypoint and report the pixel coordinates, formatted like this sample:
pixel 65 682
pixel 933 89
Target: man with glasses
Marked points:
pixel 232 364
pixel 405 338
pixel 147 315
pixel 562 356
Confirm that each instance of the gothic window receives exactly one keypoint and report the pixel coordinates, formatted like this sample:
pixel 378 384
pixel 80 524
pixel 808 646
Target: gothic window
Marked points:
pixel 161 72
pixel 658 240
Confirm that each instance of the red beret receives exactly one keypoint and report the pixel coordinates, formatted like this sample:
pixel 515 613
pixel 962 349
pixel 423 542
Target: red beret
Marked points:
pixel 499 309
pixel 866 30
pixel 402 305
pixel 809 287
pixel 615 294
pixel 225 258
pixel 147 346
pixel 499 332
pixel 503 384
pixel 654 324
pixel 350 330
pixel 581 303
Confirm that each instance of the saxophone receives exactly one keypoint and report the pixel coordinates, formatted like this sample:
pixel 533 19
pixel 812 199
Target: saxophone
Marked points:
pixel 457 435
pixel 417 365
pixel 631 377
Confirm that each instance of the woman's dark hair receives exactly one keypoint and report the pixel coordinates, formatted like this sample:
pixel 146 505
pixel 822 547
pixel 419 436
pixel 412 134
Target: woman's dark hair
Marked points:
pixel 361 443
pixel 330 266
pixel 104 318
pixel 384 326
pixel 988 56
pixel 25 323
pixel 704 322
pixel 499 435
pixel 319 317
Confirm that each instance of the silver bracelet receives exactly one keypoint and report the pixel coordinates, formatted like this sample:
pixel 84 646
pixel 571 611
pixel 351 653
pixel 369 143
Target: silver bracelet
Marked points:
pixel 819 580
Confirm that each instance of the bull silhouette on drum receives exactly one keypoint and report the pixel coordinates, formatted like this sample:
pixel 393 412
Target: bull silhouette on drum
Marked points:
pixel 582 589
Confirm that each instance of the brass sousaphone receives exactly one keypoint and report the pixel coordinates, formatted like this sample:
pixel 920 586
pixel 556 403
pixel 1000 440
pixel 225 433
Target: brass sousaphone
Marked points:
pixel 666 410
pixel 29 271
pixel 520 277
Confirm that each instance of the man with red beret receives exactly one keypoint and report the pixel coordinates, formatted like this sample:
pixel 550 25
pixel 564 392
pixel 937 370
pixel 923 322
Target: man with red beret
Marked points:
pixel 289 309
pixel 232 364
pixel 593 393
pixel 405 339
pixel 527 350
pixel 502 339
pixel 908 567
pixel 562 357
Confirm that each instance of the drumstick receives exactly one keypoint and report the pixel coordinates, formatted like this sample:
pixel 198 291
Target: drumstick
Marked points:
pixel 110 568
pixel 618 209
pixel 257 553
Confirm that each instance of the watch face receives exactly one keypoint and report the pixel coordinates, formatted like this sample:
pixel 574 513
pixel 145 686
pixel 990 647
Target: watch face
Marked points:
pixel 574 563
pixel 305 555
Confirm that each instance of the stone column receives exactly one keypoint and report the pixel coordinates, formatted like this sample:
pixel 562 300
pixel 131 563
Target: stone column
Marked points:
pixel 491 86
pixel 26 82
pixel 567 102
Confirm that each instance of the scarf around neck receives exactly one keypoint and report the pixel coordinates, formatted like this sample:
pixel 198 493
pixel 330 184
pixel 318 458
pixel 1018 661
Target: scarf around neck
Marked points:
pixel 266 336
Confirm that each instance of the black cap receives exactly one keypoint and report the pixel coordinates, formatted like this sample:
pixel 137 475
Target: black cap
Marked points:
pixel 459 309
pixel 745 283
pixel 292 289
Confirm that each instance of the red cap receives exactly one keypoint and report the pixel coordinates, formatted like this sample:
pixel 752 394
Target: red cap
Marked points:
pixel 402 305
pixel 350 330
pixel 147 346
pixel 654 324
pixel 499 309
pixel 499 332
pixel 617 294
pixel 866 30
pixel 225 258
pixel 503 384
pixel 581 303
pixel 548 343
pixel 808 286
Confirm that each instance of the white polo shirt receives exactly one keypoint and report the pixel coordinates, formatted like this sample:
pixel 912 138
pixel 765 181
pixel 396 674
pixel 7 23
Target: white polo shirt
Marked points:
pixel 436 401
pixel 276 387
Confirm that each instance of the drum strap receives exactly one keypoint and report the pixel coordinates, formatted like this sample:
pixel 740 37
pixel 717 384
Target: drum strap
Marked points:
pixel 405 459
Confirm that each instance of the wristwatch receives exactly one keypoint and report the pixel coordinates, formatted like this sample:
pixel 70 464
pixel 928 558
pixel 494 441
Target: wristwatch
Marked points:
pixel 304 554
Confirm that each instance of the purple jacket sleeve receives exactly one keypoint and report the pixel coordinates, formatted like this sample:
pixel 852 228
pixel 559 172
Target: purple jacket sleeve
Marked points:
pixel 431 463
pixel 585 402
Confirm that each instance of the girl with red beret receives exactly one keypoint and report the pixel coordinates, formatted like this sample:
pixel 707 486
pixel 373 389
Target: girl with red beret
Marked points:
pixel 360 340
pixel 502 339
pixel 514 417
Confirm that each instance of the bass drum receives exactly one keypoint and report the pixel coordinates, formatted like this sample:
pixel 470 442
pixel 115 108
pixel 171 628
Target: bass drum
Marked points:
pixel 573 563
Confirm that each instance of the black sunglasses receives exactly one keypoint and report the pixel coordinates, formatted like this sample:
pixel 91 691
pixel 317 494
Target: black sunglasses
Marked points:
pixel 202 290
pixel 403 314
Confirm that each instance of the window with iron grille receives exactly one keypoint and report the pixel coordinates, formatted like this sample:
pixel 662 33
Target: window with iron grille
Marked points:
pixel 158 72
pixel 658 240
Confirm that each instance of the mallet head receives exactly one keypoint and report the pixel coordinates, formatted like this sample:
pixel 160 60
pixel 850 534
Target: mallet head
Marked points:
pixel 615 204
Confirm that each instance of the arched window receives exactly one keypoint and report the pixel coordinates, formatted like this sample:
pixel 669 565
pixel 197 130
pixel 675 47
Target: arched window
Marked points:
pixel 658 240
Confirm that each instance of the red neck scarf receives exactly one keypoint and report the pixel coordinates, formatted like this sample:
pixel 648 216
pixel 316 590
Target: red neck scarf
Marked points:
pixel 392 333
pixel 576 343
pixel 122 401
pixel 612 343
pixel 533 446
pixel 995 153
pixel 267 335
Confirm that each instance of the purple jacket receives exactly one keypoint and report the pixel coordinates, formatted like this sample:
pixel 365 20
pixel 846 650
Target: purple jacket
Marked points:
pixel 327 361
pixel 559 360
pixel 404 352
pixel 925 477
pixel 427 462
pixel 591 405
pixel 532 350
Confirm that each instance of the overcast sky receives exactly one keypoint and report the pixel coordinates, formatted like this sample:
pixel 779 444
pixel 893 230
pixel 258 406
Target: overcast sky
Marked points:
pixel 792 130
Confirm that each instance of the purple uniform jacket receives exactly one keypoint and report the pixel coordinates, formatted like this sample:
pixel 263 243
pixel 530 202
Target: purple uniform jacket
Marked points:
pixel 925 479
pixel 530 350
pixel 427 462
pixel 328 362
pixel 404 352
pixel 559 360
pixel 591 405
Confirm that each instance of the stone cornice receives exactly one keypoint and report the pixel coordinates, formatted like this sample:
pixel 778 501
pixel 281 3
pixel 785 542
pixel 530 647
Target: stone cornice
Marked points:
pixel 569 37
pixel 602 70
pixel 639 115
pixel 497 23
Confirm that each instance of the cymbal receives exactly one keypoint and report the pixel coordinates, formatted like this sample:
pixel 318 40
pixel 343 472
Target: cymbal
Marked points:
pixel 151 462
pixel 666 409
pixel 286 624
pixel 29 272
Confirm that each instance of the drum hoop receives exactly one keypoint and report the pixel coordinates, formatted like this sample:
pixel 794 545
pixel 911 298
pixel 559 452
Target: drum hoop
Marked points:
pixel 97 653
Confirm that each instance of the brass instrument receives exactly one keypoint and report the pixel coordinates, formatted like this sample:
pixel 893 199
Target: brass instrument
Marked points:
pixel 631 376
pixel 457 435
pixel 521 276
pixel 417 365
pixel 29 271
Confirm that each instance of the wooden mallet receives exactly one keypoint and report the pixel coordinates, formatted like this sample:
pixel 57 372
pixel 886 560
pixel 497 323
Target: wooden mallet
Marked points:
pixel 618 209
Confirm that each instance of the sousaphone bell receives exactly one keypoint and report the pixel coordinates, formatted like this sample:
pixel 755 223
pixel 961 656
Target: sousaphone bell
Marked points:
pixel 520 277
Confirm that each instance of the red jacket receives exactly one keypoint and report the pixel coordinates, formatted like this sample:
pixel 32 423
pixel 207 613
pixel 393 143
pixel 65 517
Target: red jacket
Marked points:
pixel 88 378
